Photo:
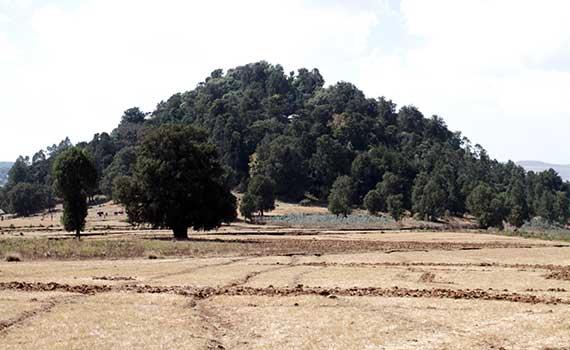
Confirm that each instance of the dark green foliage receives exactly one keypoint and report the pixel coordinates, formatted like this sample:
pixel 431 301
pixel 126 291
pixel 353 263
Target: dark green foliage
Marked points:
pixel 131 129
pixel 428 197
pixel 340 197
pixel 390 185
pixel 122 165
pixel 75 177
pixel 517 203
pixel 545 206
pixel 395 206
pixel 25 199
pixel 101 149
pixel 262 190
pixel 562 207
pixel 329 161
pixel 373 202
pixel 487 206
pixel 177 183
pixel 247 206
pixel 282 161
pixel 3 200
pixel 365 173
pixel 19 172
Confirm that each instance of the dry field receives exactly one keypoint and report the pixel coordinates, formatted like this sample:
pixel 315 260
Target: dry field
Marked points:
pixel 266 287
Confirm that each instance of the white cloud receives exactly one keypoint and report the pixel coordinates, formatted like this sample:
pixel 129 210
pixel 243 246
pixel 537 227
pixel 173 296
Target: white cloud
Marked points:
pixel 89 63
pixel 484 66
pixel 495 69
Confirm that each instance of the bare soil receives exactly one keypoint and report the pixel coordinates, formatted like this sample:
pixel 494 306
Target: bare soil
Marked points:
pixel 265 287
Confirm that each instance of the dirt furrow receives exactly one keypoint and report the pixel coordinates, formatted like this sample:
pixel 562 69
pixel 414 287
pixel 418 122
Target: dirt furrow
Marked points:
pixel 196 268
pixel 208 292
pixel 48 306
pixel 549 267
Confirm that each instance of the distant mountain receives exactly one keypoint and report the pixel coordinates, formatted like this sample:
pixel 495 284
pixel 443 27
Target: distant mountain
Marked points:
pixel 536 166
pixel 4 168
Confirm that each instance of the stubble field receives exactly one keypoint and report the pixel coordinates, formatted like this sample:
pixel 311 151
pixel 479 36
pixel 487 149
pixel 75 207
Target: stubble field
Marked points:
pixel 269 287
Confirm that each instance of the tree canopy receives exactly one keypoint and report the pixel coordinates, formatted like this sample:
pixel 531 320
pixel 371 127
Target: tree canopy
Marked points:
pixel 176 182
pixel 75 177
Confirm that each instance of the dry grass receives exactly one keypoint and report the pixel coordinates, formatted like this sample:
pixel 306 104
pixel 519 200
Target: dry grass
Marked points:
pixel 379 323
pixel 113 321
pixel 265 320
pixel 264 287
pixel 229 245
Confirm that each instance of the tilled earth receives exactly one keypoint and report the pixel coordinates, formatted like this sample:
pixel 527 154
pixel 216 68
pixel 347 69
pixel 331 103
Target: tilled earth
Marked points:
pixel 353 291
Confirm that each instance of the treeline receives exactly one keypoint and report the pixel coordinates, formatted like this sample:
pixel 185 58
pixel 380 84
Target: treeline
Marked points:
pixel 323 144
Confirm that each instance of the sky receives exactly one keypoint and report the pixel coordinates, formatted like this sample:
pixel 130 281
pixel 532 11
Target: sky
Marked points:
pixel 496 70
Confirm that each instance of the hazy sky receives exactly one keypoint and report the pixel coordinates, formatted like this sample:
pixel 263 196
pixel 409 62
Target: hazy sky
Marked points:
pixel 497 70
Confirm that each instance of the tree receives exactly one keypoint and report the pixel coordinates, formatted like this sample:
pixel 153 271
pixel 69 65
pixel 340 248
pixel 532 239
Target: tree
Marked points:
pixel 395 205
pixel 75 176
pixel 25 199
pixel 340 197
pixel 177 183
pixel 122 165
pixel 262 191
pixel 546 208
pixel 19 172
pixel 485 204
pixel 3 200
pixel 131 129
pixel 101 149
pixel 391 185
pixel 330 161
pixel 517 204
pixel 365 174
pixel 373 202
pixel 428 197
pixel 562 207
pixel 247 206
pixel 282 161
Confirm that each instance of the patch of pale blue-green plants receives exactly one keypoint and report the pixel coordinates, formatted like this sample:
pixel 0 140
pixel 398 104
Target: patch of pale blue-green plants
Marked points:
pixel 329 220
pixel 540 224
pixel 541 228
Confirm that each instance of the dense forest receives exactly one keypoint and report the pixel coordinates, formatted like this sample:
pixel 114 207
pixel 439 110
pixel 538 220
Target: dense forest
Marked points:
pixel 309 140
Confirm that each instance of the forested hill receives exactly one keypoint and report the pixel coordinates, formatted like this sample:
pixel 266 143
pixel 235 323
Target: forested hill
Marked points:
pixel 4 168
pixel 304 136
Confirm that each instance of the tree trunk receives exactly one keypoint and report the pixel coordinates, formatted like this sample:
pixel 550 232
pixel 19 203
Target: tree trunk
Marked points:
pixel 180 233
pixel 77 234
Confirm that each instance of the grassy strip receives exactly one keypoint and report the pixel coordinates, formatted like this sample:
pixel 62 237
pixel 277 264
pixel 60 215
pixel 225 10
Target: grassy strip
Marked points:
pixel 70 249
pixel 558 235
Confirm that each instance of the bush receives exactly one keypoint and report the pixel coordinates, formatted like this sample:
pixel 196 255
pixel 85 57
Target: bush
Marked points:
pixel 262 191
pixel 340 198
pixel 247 206
pixel 373 202
pixel 395 204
